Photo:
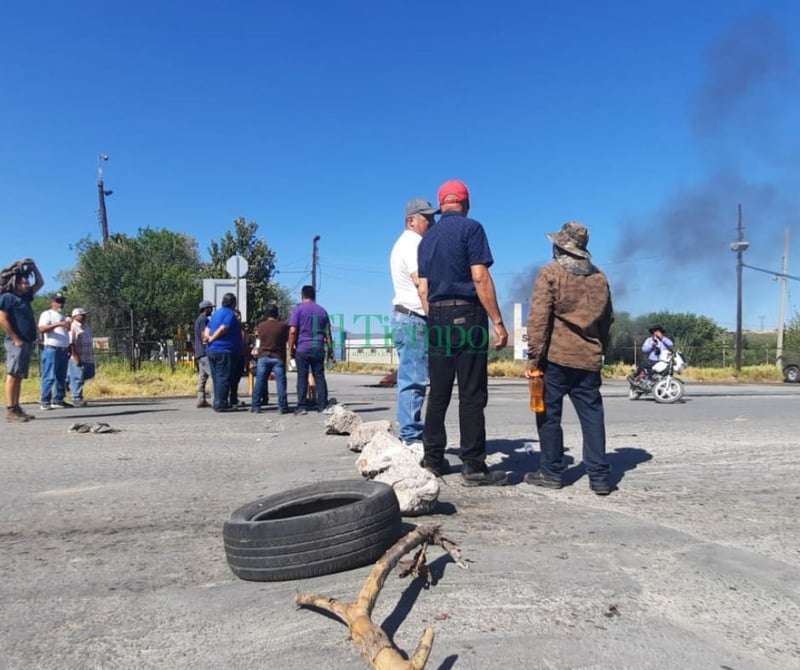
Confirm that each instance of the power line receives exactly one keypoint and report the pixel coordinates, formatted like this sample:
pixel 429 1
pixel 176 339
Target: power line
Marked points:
pixel 777 275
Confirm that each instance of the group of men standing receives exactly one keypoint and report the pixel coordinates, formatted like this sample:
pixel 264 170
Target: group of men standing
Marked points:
pixel 444 299
pixel 67 355
pixel 221 351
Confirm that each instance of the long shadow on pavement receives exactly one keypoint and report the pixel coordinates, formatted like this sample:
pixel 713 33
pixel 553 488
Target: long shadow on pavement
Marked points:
pixel 519 456
pixel 620 461
pixel 519 459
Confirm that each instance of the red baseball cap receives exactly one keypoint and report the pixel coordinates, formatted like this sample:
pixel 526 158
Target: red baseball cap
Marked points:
pixel 453 191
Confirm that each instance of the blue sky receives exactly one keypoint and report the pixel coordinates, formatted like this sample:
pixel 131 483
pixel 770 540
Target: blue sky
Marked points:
pixel 648 121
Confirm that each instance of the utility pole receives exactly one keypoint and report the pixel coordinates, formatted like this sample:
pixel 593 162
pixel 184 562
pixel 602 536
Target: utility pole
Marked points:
pixel 314 262
pixel 101 195
pixel 782 310
pixel 739 247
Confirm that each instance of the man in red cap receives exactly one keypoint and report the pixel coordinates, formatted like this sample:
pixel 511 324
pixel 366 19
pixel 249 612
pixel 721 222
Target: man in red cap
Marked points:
pixel 459 297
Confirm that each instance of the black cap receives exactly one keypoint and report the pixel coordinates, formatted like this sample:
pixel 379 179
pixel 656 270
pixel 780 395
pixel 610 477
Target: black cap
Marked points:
pixel 59 298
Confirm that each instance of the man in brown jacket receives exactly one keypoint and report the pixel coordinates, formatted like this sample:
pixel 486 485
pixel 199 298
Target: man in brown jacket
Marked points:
pixel 568 332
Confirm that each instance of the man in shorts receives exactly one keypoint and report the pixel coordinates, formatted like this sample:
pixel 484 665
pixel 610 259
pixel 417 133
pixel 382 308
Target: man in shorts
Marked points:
pixel 19 324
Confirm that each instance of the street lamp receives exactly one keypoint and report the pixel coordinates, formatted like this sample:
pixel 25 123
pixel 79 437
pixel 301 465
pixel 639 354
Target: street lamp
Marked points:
pixel 314 262
pixel 739 247
pixel 101 195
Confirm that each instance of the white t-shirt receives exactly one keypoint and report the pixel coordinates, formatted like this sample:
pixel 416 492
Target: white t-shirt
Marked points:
pixel 403 261
pixel 58 337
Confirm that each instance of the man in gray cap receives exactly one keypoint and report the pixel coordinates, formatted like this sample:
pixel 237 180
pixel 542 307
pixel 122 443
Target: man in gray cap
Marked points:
pixel 203 368
pixel 408 321
pixel 568 333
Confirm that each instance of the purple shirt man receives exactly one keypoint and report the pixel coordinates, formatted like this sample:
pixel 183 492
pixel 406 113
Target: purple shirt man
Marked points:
pixel 309 341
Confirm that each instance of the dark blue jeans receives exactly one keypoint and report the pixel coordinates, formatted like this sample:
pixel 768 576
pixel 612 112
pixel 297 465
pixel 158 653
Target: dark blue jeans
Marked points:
pixel 221 365
pixel 583 388
pixel 458 342
pixel 315 362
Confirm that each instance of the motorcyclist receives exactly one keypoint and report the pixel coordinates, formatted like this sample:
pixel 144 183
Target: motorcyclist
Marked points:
pixel 652 346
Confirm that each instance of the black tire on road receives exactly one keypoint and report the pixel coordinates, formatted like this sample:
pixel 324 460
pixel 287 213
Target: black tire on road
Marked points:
pixel 312 530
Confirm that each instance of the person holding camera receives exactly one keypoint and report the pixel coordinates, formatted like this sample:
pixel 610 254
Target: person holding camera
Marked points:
pixel 54 327
pixel 19 324
pixel 652 346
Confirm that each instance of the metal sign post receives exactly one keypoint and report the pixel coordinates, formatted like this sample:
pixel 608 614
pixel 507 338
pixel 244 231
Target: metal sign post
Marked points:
pixel 237 267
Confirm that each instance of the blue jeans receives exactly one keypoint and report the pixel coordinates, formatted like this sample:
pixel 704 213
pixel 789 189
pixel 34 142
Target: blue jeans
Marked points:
pixel 410 338
pixel 458 344
pixel 583 388
pixel 265 365
pixel 78 374
pixel 315 362
pixel 221 364
pixel 54 375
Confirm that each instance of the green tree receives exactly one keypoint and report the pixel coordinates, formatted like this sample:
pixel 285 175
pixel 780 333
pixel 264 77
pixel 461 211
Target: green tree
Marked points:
pixel 791 336
pixel 624 341
pixel 148 283
pixel 262 290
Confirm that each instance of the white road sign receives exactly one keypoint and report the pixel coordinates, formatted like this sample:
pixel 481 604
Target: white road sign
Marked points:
pixel 236 266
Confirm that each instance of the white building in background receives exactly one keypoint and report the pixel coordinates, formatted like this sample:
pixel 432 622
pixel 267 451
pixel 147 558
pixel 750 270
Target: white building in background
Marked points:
pixel 520 335
pixel 370 350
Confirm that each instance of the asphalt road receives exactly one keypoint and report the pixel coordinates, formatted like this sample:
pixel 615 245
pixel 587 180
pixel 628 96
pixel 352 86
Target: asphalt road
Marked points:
pixel 111 550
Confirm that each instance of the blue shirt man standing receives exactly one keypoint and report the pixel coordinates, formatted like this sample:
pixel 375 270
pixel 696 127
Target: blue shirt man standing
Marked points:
pixel 223 337
pixel 458 293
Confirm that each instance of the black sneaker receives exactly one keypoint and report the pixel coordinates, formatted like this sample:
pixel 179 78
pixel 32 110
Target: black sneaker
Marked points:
pixel 601 488
pixel 60 405
pixel 538 479
pixel 438 470
pixel 484 478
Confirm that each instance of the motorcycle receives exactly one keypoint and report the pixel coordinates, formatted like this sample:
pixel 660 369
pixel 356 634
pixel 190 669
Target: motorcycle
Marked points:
pixel 661 381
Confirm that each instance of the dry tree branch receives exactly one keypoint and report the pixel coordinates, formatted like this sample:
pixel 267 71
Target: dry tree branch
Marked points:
pixel 373 641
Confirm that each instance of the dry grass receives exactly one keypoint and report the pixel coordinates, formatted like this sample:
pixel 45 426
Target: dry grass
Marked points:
pixel 115 380
pixel 750 373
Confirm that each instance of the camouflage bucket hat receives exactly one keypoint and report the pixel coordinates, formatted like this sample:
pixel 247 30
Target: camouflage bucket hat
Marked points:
pixel 572 238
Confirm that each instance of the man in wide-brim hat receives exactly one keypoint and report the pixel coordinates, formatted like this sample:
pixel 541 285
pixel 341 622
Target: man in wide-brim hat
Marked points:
pixel 569 328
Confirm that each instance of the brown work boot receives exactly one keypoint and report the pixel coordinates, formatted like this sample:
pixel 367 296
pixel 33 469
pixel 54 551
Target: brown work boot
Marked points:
pixel 19 410
pixel 13 415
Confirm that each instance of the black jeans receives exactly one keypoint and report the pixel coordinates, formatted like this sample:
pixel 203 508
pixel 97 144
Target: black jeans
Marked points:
pixel 458 342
